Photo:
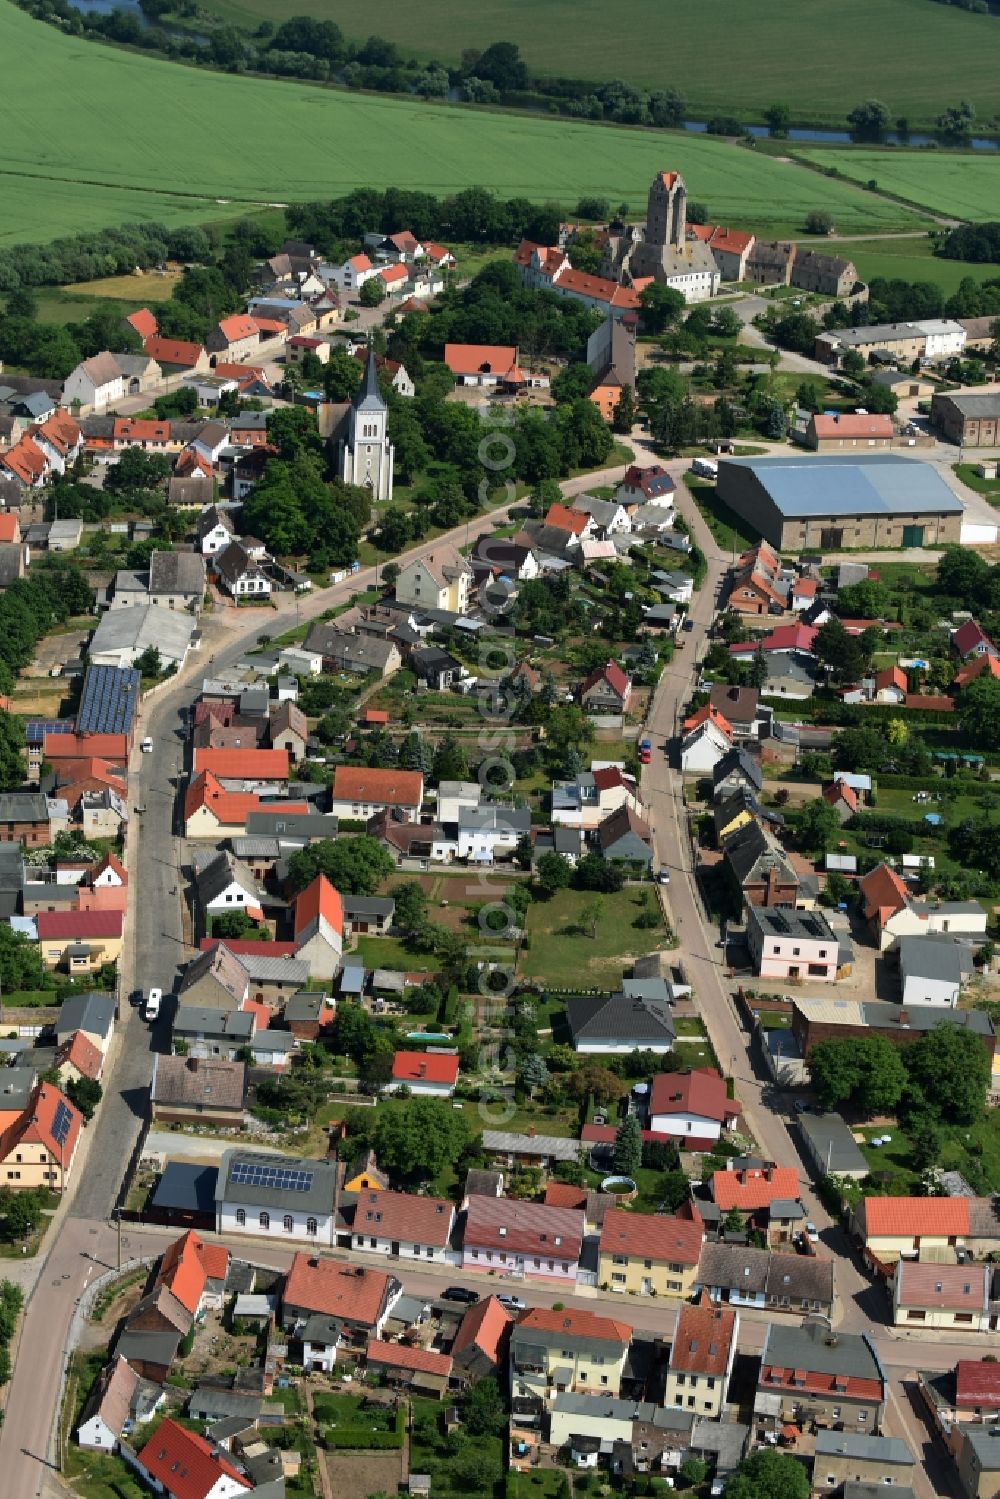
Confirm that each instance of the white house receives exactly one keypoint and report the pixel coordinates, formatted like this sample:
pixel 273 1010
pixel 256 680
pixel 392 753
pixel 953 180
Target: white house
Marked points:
pixel 110 1405
pixel 289 1199
pixel 403 1225
pixel 945 337
pixel 226 884
pixel 94 384
pixel 932 970
pixel 239 575
pixel 215 531
pixel 705 741
pixel 593 796
pixel 319 927
pixel 429 1074
pixel 441 580
pixel 352 275
pixel 486 832
pixel 456 797
pixel 692 1106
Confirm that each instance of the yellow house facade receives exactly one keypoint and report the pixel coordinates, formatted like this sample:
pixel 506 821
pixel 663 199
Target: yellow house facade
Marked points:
pixel 570 1351
pixel 79 942
pixel 646 1256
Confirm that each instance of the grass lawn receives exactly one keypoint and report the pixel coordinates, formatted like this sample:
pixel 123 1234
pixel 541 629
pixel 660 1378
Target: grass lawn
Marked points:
pixel 151 286
pixel 961 183
pixel 908 260
pixel 561 955
pixel 967 1150
pixel 54 138
pixel 730 532
pixel 345 1410
pixel 783 54
pixel 543 1483
pixel 967 473
pixel 390 952
pixel 688 1025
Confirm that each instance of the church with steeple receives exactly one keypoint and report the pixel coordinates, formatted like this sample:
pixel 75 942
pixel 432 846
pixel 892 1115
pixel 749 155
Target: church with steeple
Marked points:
pixel 365 454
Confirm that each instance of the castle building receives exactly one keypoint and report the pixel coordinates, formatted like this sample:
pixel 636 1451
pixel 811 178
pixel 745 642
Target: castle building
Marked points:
pixel 661 249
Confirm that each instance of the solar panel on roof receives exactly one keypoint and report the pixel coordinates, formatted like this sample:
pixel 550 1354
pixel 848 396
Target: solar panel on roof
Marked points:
pixel 61 1123
pixel 281 1178
pixel 109 700
pixel 36 729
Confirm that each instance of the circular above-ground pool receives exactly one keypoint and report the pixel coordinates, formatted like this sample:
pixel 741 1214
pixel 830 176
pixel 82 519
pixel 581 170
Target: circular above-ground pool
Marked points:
pixel 620 1186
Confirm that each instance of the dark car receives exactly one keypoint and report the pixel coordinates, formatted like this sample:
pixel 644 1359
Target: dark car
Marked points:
pixel 460 1293
pixel 688 624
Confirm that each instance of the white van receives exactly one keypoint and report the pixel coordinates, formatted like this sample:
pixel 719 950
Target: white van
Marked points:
pixel 705 468
pixel 153 1002
pixel 147 746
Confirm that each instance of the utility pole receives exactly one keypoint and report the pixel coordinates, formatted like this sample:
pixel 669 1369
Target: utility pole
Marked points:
pixel 118 1215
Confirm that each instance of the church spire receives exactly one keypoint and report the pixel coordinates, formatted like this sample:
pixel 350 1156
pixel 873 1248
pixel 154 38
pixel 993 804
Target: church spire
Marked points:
pixel 369 397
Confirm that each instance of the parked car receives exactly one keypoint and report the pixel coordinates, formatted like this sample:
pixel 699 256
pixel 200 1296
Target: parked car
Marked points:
pixel 664 876
pixel 688 624
pixel 460 1293
pixel 513 1303
pixel 153 1003
pixel 147 746
pixel 812 1233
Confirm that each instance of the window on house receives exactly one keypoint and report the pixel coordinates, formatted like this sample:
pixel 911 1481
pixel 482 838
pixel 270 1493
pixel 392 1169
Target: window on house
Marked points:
pixel 241 1217
pixel 288 1223
pixel 265 1220
pixel 311 1226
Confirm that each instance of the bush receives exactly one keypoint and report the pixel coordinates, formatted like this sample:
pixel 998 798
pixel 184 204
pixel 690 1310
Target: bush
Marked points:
pixel 362 1438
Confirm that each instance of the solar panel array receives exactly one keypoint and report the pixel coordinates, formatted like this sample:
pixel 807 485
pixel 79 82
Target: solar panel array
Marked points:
pixel 110 697
pixel 281 1178
pixel 61 1123
pixel 36 729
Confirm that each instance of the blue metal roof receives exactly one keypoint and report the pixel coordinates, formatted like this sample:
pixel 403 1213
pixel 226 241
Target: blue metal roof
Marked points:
pixel 110 698
pixel 835 484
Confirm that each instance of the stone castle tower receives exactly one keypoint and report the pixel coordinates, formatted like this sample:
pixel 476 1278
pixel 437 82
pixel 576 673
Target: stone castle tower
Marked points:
pixel 666 211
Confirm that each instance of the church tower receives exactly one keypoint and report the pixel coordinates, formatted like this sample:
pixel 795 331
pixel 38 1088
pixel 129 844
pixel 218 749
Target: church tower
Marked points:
pixel 666 211
pixel 366 454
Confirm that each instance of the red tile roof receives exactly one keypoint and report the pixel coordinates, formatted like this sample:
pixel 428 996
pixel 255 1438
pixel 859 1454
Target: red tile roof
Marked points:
pixel 485 1326
pixel 977 1383
pixel 407 1356
pixel 754 1188
pixel 360 263
pixel 399 788
pixel 562 1195
pixel 60 431
pixel 478 359
pixel 564 519
pixel 85 746
pixel 36 1121
pixel 708 713
pixel 237 327
pixel 848 424
pixel 703 1338
pixel 187 1264
pixel 610 776
pixel 783 638
pixel 735 241
pixel 839 791
pixel 701 1092
pixel 988 664
pixel 524 1228
pixel 576 1324
pixel 73 926
pixel 187 1465
pixel 655 1238
pixel 9 527
pixel 968 636
pixel 173 351
pixel 252 948
pixel 804 588
pixel 230 808
pixel 25 460
pixel 915 1217
pixel 132 429
pixel 597 288
pixel 319 901
pixel 404 1216
pixel 883 893
pixel 80 1053
pixel 334 1289
pixel 392 274
pixel 424 1067
pixel 144 323
pixel 244 764
pixel 611 673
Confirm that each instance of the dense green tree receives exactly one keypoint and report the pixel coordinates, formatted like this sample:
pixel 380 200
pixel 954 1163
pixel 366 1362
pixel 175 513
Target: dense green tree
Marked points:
pixel 483 1409
pixel 767 1474
pixel 979 712
pixel 553 873
pixel 628 1146
pixel 12 764
pixel 866 1071
pixel 817 826
pixel 661 306
pixel 949 1072
pixel 354 866
pixel 84 1093
pixel 420 1138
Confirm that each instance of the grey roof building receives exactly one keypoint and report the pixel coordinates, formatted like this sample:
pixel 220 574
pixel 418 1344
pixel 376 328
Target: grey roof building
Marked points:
pixel 619 1023
pixel 249 1178
pixel 792 1282
pixel 217 876
pixel 831 1147
pixel 833 500
pixel 201 1023
pixel 217 1403
pixel 24 806
pixel 865 1447
pixel 509 1144
pixel 177 574
pixel 185 1191
pixel 92 1012
pixel 292 827
pixel 734 769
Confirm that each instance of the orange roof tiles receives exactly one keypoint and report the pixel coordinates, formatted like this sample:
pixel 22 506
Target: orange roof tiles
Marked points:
pixel 575 1323
pixel 133 429
pixel 237 327
pixel 10 527
pixel 484 1326
pixel 173 351
pixel 408 1356
pixel 26 461
pixel 319 900
pixel 80 1053
pixel 915 1217
pixel 707 713
pixel 847 424
pixel 230 808
pixel 883 893
pixel 244 764
pixel 144 323
pixel 424 1067
pixel 754 1188
pixel 36 1122
pixel 187 1264
pixel 574 521
pixel 335 1289
pixel 85 746
pixel 476 359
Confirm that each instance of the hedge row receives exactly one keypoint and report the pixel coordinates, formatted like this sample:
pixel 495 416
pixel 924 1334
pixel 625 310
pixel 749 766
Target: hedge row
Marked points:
pixel 363 1438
